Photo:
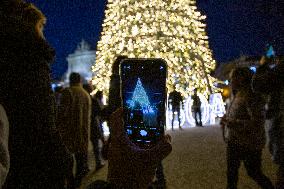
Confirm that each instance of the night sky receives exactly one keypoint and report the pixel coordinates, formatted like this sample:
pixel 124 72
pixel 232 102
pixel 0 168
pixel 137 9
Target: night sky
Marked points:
pixel 234 27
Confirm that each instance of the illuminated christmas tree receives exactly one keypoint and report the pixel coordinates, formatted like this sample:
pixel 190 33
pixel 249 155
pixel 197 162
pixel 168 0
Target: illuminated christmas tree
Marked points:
pixel 139 95
pixel 170 29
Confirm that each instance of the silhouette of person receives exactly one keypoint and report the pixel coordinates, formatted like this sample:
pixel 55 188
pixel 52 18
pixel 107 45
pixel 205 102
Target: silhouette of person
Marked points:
pixel 74 124
pixel 96 130
pixel 246 133
pixel 175 99
pixel 38 158
pixel 196 107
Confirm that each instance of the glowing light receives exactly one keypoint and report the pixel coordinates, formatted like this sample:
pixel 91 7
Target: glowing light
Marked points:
pixel 139 96
pixel 106 129
pixel 226 82
pixel 170 118
pixel 209 111
pixel 129 132
pixel 217 105
pixel 253 69
pixel 205 110
pixel 270 52
pixel 143 133
pixel 152 29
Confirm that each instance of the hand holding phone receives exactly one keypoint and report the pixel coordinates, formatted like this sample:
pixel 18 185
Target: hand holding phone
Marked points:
pixel 143 91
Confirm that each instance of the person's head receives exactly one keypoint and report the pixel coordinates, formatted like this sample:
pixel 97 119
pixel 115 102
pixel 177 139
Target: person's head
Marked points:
pixel 115 66
pixel 195 91
pixel 25 13
pixel 75 79
pixel 241 78
pixel 33 16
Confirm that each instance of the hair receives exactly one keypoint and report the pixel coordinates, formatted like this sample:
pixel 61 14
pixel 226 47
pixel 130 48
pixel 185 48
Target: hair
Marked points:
pixel 26 12
pixel 74 78
pixel 32 14
pixel 242 72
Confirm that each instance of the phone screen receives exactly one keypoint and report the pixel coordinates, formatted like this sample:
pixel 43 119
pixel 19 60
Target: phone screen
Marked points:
pixel 143 88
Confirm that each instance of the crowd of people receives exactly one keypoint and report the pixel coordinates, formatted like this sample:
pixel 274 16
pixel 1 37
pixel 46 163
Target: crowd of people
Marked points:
pixel 41 137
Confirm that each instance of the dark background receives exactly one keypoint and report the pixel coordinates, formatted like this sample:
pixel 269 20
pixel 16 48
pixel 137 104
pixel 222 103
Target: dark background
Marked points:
pixel 234 27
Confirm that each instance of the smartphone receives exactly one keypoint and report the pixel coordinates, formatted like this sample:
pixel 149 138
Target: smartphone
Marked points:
pixel 143 92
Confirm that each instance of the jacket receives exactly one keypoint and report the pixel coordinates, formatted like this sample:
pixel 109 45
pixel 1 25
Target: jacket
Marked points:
pixel 248 117
pixel 36 149
pixel 74 118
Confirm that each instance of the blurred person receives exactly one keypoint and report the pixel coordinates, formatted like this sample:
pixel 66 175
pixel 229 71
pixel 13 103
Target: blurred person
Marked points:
pixel 74 118
pixel 114 101
pixel 245 122
pixel 4 151
pixel 196 106
pixel 38 158
pixel 175 99
pixel 270 80
pixel 114 98
pixel 99 133
pixel 96 124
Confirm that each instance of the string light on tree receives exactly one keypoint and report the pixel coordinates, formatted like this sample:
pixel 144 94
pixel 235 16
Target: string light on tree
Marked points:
pixel 173 30
pixel 139 95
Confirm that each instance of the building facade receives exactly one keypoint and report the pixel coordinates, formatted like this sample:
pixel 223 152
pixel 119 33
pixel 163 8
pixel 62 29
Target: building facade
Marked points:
pixel 81 61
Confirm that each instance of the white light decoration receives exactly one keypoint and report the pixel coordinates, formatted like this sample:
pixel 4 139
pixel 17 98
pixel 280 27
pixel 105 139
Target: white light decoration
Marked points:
pixel 139 95
pixel 106 129
pixel 170 118
pixel 173 30
pixel 217 105
pixel 226 82
pixel 209 112
pixel 205 108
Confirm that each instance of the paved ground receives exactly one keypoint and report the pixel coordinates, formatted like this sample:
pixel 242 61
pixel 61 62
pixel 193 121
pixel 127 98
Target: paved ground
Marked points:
pixel 198 162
